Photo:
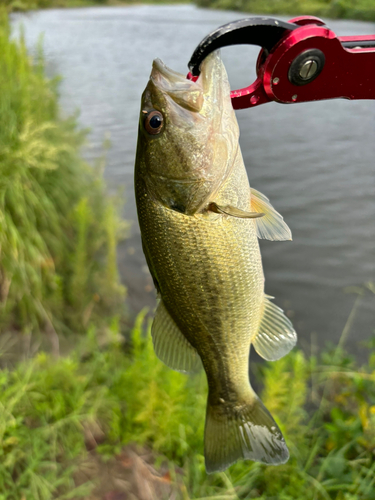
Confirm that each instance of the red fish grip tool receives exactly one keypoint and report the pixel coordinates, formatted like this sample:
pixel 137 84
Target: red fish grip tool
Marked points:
pixel 302 60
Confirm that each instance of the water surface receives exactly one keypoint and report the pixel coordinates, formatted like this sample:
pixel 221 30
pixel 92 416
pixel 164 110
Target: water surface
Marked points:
pixel 314 161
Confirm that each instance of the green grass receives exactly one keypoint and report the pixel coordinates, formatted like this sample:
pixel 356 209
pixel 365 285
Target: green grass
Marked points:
pixel 59 230
pixel 324 406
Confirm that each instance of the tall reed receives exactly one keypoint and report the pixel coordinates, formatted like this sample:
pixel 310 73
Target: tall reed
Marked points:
pixel 58 227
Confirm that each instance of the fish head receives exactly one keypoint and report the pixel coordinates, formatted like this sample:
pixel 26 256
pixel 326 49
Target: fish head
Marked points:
pixel 188 135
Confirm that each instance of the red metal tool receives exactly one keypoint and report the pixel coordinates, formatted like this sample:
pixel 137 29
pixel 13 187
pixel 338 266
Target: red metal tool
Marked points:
pixel 300 61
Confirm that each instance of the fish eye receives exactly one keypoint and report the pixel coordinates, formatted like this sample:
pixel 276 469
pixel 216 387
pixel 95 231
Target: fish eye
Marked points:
pixel 154 122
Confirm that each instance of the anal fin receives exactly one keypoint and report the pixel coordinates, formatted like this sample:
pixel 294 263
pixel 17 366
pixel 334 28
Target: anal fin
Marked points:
pixel 276 335
pixel 170 345
pixel 272 225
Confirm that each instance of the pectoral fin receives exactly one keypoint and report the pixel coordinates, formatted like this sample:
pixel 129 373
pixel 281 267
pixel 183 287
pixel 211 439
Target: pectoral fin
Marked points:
pixel 233 211
pixel 272 225
pixel 276 335
pixel 170 345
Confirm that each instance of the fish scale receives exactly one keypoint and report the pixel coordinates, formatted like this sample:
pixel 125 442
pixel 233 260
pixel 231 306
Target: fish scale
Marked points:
pixel 198 278
pixel 200 223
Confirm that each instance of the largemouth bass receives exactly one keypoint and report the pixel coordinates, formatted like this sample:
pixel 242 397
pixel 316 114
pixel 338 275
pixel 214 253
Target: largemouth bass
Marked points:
pixel 200 223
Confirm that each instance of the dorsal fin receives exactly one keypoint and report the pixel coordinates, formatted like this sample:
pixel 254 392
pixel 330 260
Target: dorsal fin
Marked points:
pixel 272 225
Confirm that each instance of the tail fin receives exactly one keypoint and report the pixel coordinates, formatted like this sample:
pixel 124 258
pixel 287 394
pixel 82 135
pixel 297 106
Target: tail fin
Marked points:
pixel 242 432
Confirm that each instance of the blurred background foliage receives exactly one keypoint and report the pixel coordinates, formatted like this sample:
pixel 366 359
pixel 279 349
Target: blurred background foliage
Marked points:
pixel 21 5
pixel 342 9
pixel 345 9
pixel 59 229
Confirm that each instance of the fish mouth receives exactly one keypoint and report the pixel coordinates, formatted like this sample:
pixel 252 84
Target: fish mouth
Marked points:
pixel 210 90
pixel 184 92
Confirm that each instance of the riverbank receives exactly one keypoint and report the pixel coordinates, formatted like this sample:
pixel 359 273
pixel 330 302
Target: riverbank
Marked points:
pixel 25 5
pixel 327 9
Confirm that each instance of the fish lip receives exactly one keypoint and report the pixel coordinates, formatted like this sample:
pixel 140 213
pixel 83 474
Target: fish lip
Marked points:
pixel 162 74
pixel 186 93
pixel 159 68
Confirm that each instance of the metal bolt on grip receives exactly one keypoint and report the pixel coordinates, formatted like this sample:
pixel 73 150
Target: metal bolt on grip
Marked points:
pixel 306 67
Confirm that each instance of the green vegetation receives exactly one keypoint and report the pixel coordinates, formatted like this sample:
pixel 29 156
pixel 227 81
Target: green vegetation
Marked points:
pixel 21 5
pixel 128 395
pixel 327 9
pixel 58 228
pixel 342 9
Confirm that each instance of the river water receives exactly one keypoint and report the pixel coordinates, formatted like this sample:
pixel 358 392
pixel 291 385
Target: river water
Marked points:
pixel 315 161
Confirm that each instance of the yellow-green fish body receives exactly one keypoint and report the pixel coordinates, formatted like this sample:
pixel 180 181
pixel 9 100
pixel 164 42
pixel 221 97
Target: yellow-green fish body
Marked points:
pixel 200 224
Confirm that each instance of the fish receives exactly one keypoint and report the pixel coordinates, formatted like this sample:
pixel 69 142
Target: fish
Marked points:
pixel 200 223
